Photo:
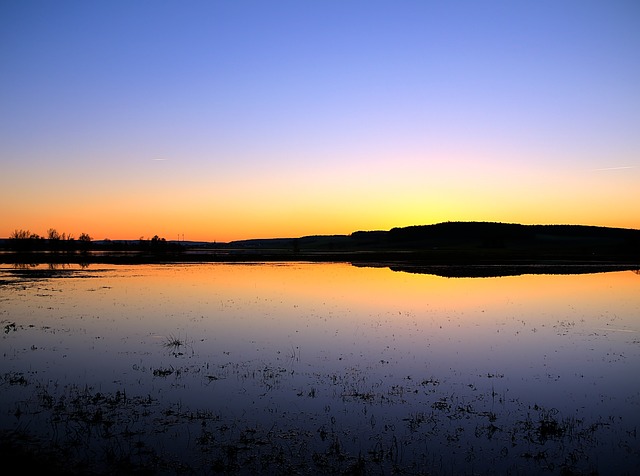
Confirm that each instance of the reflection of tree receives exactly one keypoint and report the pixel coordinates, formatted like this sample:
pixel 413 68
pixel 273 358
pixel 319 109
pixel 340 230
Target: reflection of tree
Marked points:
pixel 637 271
pixel 24 265
pixel 56 266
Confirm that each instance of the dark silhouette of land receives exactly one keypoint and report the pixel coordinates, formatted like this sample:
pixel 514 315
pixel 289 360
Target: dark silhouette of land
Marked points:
pixel 448 249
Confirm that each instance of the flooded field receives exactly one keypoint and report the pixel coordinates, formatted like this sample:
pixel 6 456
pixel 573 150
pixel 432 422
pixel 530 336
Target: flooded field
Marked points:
pixel 320 368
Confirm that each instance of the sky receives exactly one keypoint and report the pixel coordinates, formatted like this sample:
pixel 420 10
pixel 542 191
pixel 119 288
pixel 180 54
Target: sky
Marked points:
pixel 226 120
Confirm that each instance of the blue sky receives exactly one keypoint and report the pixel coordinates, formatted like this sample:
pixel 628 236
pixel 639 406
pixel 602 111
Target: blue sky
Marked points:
pixel 244 99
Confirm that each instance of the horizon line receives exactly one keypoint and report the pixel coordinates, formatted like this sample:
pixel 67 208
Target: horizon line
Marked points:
pixel 347 234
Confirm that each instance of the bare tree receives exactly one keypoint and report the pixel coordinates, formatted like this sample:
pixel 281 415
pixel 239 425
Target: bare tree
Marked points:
pixel 20 235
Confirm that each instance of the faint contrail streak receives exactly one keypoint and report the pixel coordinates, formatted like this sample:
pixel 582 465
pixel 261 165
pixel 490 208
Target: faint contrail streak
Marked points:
pixel 617 168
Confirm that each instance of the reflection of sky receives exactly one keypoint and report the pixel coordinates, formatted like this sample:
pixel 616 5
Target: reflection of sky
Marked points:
pixel 335 315
pixel 266 337
pixel 232 120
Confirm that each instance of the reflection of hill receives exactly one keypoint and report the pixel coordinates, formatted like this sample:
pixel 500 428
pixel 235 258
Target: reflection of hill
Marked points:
pixel 498 270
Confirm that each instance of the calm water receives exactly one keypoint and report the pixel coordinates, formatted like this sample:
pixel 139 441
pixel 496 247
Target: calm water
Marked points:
pixel 325 368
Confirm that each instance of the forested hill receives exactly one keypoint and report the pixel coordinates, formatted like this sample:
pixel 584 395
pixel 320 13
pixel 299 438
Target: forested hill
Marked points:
pixel 500 234
pixel 455 234
pixel 472 238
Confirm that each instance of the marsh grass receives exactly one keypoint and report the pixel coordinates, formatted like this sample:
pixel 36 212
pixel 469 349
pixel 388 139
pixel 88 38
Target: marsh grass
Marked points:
pixel 91 432
pixel 176 345
pixel 173 342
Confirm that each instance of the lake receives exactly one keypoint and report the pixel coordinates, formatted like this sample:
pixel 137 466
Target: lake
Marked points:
pixel 305 368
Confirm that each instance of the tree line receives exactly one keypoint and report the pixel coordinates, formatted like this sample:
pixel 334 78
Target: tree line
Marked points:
pixel 25 240
pixel 52 235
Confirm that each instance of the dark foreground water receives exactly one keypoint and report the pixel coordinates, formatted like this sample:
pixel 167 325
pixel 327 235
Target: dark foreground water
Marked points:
pixel 321 368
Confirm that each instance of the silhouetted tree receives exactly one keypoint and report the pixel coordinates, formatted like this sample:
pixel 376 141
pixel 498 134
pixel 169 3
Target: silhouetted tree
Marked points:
pixel 57 240
pixel 53 235
pixel 155 243
pixel 84 240
pixel 20 235
pixel 24 239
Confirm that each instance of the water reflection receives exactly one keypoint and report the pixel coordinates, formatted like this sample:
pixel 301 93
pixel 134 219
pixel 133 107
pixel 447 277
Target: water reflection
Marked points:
pixel 360 366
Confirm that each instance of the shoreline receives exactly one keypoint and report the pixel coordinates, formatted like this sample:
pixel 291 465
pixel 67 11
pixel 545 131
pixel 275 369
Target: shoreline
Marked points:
pixel 446 264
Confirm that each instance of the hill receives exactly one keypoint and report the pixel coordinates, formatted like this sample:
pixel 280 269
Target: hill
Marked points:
pixel 468 237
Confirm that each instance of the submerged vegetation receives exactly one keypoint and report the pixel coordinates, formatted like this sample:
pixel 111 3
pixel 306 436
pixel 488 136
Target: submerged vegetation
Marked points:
pixel 91 432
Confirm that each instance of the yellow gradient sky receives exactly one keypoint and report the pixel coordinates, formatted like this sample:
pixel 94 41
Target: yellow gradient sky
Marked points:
pixel 220 120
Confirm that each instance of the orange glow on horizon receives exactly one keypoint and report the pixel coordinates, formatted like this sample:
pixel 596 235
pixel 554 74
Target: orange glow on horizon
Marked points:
pixel 309 201
pixel 131 229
